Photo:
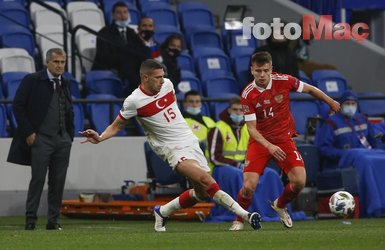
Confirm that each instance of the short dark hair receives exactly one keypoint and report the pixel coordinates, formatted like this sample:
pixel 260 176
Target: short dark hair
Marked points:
pixel 170 38
pixel 150 65
pixel 234 100
pixel 191 92
pixel 118 4
pixel 261 57
pixel 51 51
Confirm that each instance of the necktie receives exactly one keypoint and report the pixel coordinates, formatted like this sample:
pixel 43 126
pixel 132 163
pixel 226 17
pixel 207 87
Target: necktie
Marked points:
pixel 123 35
pixel 57 85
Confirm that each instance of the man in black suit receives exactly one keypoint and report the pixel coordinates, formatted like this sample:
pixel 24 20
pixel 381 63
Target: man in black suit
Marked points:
pixel 43 110
pixel 119 48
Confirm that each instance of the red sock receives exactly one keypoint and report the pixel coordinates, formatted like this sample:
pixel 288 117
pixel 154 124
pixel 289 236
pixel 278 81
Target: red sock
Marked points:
pixel 287 196
pixel 213 189
pixel 185 200
pixel 244 203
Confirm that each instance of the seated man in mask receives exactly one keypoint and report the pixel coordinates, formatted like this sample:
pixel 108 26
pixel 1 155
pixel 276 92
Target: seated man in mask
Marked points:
pixel 343 131
pixel 146 30
pixel 229 139
pixel 120 49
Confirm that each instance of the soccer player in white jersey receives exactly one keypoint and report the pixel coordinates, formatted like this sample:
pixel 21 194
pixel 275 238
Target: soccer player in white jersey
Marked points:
pixel 155 106
pixel 266 106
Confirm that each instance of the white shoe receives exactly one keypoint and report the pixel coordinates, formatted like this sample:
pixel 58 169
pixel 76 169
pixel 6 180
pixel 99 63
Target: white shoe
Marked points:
pixel 236 226
pixel 283 214
pixel 160 221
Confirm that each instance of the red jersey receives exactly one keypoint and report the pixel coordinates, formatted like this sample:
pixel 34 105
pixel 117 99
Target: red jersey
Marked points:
pixel 270 107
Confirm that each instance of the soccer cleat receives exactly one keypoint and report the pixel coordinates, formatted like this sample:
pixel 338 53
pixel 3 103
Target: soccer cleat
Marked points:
pixel 160 221
pixel 236 226
pixel 283 214
pixel 255 220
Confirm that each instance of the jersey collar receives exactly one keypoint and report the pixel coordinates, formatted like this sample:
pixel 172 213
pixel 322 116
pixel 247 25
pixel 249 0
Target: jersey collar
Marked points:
pixel 263 89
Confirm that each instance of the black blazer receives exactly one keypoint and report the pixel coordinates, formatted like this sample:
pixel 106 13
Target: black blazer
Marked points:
pixel 30 106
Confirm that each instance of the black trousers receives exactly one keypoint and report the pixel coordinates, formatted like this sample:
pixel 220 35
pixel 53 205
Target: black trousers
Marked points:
pixel 48 153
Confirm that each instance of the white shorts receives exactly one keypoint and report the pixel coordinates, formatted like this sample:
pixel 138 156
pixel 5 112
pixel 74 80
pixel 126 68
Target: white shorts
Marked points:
pixel 175 154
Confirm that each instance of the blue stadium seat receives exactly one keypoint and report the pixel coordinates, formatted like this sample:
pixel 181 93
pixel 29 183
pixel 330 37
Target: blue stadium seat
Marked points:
pixel 146 5
pixel 99 113
pixel 311 157
pixel 3 121
pixel 78 118
pixel 189 83
pixel 160 172
pixel 21 2
pixel 372 107
pixel 235 41
pixel 220 86
pixel 211 66
pixel 14 13
pixel 163 17
pixel 242 69
pixel 103 82
pixel 303 77
pixel 15 36
pixel 134 12
pixel 74 85
pixel 202 42
pixel 218 107
pixel 183 6
pixel 331 82
pixel 185 62
pixel 193 19
pixel 164 31
pixel 11 82
pixel 187 74
pixel 302 110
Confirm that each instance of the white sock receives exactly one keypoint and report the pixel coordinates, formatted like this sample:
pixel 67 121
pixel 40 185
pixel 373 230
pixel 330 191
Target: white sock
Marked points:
pixel 225 200
pixel 170 207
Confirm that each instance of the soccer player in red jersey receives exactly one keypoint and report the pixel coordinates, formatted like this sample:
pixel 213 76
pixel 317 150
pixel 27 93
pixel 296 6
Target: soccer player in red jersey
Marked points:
pixel 266 106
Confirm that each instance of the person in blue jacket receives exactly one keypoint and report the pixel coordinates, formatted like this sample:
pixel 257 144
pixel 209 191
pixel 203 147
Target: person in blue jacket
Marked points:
pixel 344 130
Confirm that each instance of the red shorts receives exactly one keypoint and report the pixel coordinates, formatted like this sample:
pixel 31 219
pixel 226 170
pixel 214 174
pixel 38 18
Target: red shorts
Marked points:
pixel 257 157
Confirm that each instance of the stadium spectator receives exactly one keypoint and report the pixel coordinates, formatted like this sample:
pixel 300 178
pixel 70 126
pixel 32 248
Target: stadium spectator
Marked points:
pixel 199 124
pixel 120 49
pixel 266 105
pixel 170 50
pixel 146 30
pixel 284 59
pixel 43 139
pixel 228 140
pixel 343 131
pixel 168 134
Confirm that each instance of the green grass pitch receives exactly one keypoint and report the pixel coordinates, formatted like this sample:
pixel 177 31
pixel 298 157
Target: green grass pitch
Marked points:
pixel 133 234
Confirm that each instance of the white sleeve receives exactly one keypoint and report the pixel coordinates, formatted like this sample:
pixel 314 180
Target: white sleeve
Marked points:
pixel 129 108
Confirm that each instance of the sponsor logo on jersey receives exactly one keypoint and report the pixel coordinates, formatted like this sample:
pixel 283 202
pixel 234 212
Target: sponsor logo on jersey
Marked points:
pixel 266 101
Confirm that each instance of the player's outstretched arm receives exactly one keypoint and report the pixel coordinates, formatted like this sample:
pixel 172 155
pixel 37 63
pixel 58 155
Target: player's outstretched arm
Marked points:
pixel 92 136
pixel 317 93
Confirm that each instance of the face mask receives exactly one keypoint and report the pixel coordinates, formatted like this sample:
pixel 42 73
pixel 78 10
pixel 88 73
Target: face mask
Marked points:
pixel 173 52
pixel 193 111
pixel 236 118
pixel 122 24
pixel 146 34
pixel 349 110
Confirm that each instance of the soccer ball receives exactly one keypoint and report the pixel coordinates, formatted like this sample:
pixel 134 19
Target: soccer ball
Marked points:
pixel 342 203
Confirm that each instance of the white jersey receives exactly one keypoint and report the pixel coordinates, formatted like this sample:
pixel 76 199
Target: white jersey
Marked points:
pixel 159 116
